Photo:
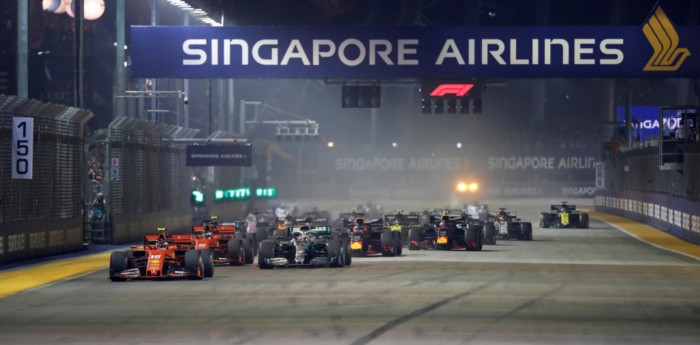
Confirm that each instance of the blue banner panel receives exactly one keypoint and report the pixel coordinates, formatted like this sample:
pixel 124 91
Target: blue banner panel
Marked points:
pixel 646 120
pixel 219 155
pixel 417 52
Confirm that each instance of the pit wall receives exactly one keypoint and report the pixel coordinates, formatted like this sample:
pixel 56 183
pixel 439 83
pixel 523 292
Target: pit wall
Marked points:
pixel 677 216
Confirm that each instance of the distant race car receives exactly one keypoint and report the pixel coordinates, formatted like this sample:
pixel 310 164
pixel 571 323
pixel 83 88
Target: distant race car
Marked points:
pixel 477 211
pixel 448 232
pixel 402 222
pixel 226 244
pixel 159 258
pixel 563 216
pixel 372 237
pixel 305 245
pixel 508 226
pixel 481 212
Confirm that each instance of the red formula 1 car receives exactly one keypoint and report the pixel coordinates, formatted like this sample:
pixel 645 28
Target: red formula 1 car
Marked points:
pixel 227 246
pixel 159 258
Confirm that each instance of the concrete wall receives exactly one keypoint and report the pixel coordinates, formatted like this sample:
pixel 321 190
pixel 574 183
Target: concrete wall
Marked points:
pixel 33 239
pixel 677 216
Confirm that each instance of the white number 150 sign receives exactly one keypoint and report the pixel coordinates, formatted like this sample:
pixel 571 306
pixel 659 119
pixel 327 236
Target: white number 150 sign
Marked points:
pixel 22 147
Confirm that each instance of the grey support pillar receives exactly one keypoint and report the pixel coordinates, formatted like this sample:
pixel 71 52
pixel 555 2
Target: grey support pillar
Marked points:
pixel 154 100
pixel 539 86
pixel 121 74
pixel 22 48
pixel 231 105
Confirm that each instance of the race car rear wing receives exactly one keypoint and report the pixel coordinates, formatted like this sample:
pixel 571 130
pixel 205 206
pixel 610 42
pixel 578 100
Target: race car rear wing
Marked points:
pixel 347 216
pixel 457 219
pixel 405 219
pixel 371 224
pixel 319 229
pixel 312 221
pixel 558 207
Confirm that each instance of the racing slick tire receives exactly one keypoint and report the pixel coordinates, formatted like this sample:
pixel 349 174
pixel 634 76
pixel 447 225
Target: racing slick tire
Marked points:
pixel 248 251
pixel 336 253
pixel 250 239
pixel 118 262
pixel 267 251
pixel 235 252
pixel 260 235
pixel 208 261
pixel 397 242
pixel 348 252
pixel 490 233
pixel 387 241
pixel 545 219
pixel 364 251
pixel 414 235
pixel 473 237
pixel 526 233
pixel 194 264
pixel 583 221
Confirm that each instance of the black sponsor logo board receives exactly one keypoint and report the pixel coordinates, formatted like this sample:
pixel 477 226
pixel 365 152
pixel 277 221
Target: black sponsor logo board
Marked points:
pixel 220 155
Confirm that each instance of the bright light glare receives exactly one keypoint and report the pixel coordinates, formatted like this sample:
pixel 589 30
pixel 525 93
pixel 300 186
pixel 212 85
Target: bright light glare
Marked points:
pixel 461 187
pixel 394 144
pixel 467 187
pixel 330 144
pixel 459 145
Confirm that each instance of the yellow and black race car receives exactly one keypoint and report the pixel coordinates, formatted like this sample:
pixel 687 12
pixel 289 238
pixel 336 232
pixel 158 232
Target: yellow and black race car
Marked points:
pixel 563 216
pixel 402 222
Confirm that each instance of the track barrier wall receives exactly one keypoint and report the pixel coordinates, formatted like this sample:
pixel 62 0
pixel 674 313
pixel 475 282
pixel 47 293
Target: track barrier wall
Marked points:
pixel 42 216
pixel 148 183
pixel 635 187
pixel 677 216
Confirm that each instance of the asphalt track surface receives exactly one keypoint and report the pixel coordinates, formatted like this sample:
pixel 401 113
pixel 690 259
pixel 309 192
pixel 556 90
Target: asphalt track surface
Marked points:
pixel 567 286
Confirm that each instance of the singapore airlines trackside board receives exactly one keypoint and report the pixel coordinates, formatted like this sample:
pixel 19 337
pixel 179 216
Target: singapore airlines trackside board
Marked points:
pixel 656 49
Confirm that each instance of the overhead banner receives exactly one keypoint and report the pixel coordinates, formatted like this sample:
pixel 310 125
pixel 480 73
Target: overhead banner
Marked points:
pixel 655 49
pixel 22 147
pixel 219 155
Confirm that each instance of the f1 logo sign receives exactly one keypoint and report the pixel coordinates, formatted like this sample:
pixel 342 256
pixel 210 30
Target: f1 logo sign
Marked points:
pixel 458 90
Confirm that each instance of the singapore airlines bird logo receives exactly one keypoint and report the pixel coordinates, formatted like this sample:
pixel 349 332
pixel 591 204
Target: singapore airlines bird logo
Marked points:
pixel 664 39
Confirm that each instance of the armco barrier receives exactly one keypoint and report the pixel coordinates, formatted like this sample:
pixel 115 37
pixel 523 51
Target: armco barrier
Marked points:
pixel 677 216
